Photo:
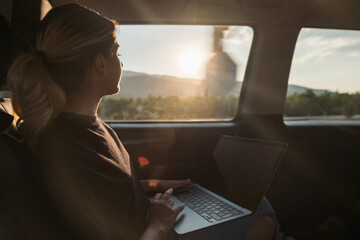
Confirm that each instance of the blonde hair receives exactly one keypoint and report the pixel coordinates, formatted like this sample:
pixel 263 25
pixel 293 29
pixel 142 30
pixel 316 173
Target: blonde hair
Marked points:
pixel 69 38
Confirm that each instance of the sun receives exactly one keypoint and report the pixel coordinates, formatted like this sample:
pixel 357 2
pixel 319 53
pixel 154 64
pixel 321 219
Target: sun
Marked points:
pixel 190 62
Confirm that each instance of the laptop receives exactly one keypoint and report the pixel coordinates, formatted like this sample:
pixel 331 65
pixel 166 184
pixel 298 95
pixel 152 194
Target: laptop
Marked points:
pixel 247 167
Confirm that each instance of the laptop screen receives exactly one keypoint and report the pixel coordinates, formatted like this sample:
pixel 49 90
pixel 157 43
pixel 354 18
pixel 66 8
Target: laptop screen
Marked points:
pixel 247 167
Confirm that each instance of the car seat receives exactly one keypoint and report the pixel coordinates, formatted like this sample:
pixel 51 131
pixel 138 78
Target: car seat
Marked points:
pixel 25 210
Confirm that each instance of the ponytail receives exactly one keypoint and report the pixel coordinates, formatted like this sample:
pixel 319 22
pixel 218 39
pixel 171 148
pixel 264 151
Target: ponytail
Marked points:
pixel 36 98
pixel 69 38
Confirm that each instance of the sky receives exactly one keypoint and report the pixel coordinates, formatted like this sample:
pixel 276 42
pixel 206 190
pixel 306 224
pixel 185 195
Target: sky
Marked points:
pixel 180 51
pixel 327 59
pixel 323 59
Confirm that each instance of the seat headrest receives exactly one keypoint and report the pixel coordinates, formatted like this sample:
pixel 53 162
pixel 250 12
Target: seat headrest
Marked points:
pixel 5 121
pixel 5 49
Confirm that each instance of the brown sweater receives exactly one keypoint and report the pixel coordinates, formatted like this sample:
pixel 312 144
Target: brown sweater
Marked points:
pixel 88 175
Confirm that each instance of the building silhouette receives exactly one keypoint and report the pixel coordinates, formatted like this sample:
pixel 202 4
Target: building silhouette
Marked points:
pixel 220 77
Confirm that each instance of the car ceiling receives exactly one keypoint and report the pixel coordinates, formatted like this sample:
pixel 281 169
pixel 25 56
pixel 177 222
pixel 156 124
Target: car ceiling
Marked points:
pixel 311 13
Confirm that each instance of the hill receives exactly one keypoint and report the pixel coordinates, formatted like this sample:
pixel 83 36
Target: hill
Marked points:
pixel 140 85
pixel 295 89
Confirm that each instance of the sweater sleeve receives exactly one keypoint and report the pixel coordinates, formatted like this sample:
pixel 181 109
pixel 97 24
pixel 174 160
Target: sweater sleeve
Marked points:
pixel 91 192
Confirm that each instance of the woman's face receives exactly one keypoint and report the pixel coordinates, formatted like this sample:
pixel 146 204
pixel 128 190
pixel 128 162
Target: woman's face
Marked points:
pixel 113 70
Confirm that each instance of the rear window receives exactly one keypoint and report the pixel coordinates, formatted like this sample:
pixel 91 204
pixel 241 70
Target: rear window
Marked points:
pixel 324 82
pixel 179 73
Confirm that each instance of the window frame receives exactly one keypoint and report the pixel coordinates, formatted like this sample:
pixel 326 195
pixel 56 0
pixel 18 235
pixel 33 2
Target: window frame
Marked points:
pixel 302 121
pixel 193 122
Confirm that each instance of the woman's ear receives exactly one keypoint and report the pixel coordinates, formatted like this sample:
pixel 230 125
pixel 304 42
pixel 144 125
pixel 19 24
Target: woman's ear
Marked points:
pixel 99 64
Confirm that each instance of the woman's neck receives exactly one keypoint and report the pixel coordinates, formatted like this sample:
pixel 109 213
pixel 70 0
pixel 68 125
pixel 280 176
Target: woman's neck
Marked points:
pixel 84 104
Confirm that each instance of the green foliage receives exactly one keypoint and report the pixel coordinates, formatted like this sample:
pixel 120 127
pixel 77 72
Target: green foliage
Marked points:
pixel 326 104
pixel 191 108
pixel 168 108
pixel 349 108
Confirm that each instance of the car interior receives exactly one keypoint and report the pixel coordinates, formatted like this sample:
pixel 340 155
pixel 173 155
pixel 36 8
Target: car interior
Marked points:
pixel 195 70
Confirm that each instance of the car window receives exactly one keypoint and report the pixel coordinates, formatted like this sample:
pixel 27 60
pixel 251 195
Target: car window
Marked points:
pixel 324 82
pixel 179 73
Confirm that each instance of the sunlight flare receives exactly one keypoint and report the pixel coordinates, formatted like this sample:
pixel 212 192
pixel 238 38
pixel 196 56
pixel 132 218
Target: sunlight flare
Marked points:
pixel 190 61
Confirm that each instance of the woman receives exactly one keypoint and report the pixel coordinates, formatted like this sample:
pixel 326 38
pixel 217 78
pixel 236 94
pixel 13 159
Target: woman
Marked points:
pixel 86 170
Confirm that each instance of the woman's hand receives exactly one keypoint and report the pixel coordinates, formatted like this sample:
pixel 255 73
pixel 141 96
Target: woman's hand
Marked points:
pixel 161 216
pixel 157 185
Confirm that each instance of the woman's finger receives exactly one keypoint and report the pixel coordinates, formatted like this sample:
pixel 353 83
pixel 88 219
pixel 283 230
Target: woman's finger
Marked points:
pixel 158 196
pixel 171 202
pixel 167 194
pixel 179 209
pixel 182 183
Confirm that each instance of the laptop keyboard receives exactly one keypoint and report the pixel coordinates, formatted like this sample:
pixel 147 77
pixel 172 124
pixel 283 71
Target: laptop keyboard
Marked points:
pixel 209 207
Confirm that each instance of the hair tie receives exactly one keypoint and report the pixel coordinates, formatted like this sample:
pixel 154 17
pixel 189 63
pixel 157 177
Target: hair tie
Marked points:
pixel 42 54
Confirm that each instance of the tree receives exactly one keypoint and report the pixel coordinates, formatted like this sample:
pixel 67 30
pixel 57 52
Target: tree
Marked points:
pixel 349 108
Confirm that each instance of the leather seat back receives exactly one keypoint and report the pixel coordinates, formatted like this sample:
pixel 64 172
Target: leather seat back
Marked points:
pixel 26 211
